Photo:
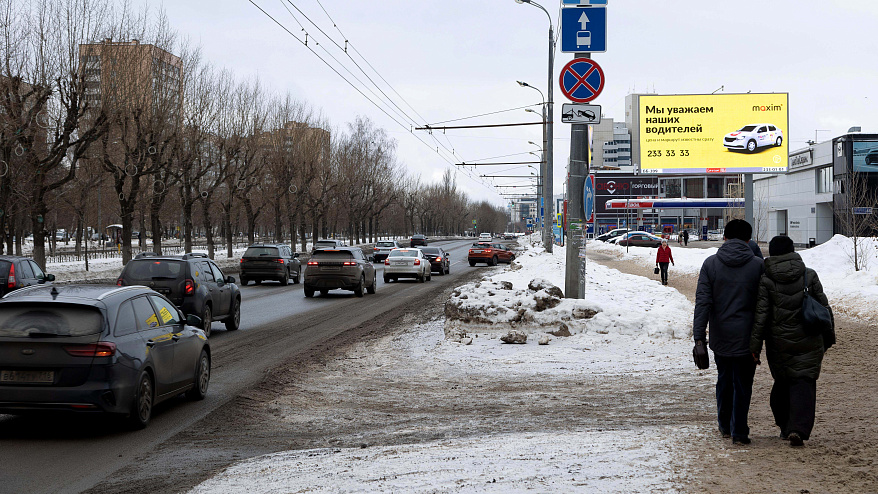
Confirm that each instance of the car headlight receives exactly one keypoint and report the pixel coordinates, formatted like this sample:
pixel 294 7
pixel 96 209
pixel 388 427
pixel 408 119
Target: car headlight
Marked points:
pixel 740 138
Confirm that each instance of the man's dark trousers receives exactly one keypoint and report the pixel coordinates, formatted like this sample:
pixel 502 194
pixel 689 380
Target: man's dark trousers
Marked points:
pixel 793 403
pixel 734 388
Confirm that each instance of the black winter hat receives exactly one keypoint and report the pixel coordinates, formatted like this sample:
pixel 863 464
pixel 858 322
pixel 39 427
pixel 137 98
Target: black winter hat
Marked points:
pixel 780 245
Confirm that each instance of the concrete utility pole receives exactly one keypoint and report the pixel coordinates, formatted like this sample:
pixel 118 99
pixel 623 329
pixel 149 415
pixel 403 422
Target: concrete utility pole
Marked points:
pixel 548 216
pixel 748 201
pixel 577 171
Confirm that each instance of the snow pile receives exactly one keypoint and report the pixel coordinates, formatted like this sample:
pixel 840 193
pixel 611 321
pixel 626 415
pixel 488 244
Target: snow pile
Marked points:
pixel 526 297
pixel 851 292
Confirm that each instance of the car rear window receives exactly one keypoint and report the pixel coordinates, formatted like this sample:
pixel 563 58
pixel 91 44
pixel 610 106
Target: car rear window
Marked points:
pixel 261 251
pixel 146 269
pixel 332 255
pixel 404 253
pixel 430 250
pixel 385 244
pixel 4 268
pixel 48 321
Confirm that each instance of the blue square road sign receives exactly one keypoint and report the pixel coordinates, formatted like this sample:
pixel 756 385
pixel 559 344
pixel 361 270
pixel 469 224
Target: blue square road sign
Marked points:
pixel 584 29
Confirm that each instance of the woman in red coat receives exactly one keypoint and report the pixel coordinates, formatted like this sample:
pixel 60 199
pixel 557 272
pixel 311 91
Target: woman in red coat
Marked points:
pixel 662 258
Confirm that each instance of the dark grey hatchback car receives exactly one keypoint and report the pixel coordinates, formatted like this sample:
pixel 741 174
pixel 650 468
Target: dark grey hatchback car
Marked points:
pixel 93 348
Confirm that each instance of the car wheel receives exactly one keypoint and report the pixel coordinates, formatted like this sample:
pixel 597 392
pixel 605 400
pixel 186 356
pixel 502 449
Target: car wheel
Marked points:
pixel 297 278
pixel 386 279
pixel 778 142
pixel 494 261
pixel 441 270
pixel 472 263
pixel 202 378
pixel 309 292
pixel 448 269
pixel 258 282
pixel 358 290
pixel 429 276
pixel 244 281
pixel 421 278
pixel 324 292
pixel 234 320
pixel 371 288
pixel 751 146
pixel 141 406
pixel 206 320
pixel 285 280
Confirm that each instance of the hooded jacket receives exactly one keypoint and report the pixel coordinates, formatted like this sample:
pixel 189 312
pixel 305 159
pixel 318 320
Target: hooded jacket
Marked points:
pixel 726 298
pixel 791 352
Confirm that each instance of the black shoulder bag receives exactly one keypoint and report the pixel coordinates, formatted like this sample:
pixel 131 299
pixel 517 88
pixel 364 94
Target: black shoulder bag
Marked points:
pixel 817 318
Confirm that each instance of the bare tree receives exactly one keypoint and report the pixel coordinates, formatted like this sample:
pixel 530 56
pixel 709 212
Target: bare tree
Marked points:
pixel 855 207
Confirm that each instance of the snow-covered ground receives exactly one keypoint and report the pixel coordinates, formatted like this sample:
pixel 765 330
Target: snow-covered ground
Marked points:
pixel 629 327
pixel 854 293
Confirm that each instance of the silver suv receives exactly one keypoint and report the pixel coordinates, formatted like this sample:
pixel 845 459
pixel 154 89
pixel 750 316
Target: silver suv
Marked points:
pixel 383 248
pixel 343 267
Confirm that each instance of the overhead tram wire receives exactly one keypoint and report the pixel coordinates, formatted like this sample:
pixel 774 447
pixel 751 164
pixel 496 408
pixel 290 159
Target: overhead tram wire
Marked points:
pixel 282 26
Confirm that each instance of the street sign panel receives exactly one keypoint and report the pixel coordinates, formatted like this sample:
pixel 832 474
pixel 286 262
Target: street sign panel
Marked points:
pixel 862 210
pixel 582 80
pixel 588 199
pixel 585 2
pixel 576 113
pixel 584 29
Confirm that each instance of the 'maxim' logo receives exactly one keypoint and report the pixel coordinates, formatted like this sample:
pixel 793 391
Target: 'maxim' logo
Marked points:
pixel 768 108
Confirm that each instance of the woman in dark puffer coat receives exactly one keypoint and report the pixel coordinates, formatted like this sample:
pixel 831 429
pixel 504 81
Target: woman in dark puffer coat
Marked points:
pixel 794 356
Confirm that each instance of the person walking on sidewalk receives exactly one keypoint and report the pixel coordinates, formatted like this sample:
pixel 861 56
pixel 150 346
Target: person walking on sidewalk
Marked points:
pixel 794 356
pixel 662 258
pixel 725 300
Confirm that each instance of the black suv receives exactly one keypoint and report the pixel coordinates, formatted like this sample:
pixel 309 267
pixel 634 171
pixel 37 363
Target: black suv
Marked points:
pixel 192 282
pixel 343 267
pixel 18 272
pixel 94 348
pixel 270 262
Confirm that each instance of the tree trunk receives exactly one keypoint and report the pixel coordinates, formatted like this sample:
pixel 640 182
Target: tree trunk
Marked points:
pixel 227 222
pixel 278 222
pixel 208 227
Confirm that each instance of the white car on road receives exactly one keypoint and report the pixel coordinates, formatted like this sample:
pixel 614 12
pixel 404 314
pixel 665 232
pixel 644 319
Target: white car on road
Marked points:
pixel 754 136
pixel 485 236
pixel 407 263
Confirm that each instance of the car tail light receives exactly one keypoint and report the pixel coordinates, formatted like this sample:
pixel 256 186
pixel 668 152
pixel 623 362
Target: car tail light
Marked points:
pixel 242 261
pixel 312 263
pixel 280 261
pixel 101 349
pixel 10 282
pixel 120 282
pixel 376 248
pixel 439 258
pixel 387 261
pixel 188 287
pixel 417 262
pixel 350 263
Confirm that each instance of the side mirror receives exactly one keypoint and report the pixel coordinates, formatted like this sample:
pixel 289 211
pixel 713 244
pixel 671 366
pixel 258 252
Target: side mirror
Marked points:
pixel 50 277
pixel 295 255
pixel 230 279
pixel 193 320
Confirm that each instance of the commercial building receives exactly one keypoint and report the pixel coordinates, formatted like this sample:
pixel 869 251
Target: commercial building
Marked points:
pixel 611 147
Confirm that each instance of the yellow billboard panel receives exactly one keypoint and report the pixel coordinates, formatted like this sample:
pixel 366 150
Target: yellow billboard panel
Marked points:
pixel 714 133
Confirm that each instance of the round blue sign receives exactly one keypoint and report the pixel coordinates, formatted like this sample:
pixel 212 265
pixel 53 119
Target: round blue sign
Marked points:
pixel 582 80
pixel 588 199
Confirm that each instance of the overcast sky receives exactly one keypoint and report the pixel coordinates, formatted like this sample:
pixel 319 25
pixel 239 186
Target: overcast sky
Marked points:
pixel 456 58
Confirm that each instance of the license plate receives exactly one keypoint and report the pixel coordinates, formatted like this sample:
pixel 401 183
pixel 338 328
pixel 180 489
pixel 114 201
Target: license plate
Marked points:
pixel 330 268
pixel 477 252
pixel 39 377
pixel 400 263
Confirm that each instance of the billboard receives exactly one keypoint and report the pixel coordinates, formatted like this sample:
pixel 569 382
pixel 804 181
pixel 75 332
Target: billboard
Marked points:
pixel 624 187
pixel 865 156
pixel 714 133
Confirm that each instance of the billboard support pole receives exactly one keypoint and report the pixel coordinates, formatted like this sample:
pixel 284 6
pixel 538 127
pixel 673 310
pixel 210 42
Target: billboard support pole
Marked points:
pixel 748 199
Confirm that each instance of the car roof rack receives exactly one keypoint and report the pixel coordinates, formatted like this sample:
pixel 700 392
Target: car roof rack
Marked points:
pixel 194 255
pixel 145 254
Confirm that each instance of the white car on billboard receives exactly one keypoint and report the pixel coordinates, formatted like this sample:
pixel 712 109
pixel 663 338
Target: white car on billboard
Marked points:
pixel 754 136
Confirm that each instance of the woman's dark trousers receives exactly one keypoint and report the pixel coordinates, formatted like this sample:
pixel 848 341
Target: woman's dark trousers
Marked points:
pixel 663 266
pixel 793 403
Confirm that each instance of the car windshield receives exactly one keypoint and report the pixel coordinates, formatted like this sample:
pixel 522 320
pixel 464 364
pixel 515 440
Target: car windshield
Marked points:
pixel 48 320
pixel 430 250
pixel 747 128
pixel 404 253
pixel 332 255
pixel 145 269
pixel 385 244
pixel 261 251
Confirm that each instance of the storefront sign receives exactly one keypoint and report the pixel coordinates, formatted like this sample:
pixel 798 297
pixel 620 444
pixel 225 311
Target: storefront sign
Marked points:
pixel 800 160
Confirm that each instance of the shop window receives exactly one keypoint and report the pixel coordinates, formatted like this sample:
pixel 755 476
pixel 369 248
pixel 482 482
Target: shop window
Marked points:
pixel 824 180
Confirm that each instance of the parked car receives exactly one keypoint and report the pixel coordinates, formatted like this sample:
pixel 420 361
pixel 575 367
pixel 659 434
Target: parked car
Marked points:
pixel 508 236
pixel 490 254
pixel 754 136
pixel 18 272
pixel 193 282
pixel 382 248
pixel 418 240
pixel 343 267
pixel 93 348
pixel 438 258
pixel 407 263
pixel 639 239
pixel 270 262
pixel 612 234
pixel 328 243
pixel 713 235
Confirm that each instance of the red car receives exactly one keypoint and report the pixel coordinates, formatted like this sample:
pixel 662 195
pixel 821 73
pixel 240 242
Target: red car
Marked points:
pixel 490 254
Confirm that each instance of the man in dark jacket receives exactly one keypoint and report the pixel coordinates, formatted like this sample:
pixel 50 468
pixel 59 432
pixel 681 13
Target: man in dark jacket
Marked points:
pixel 794 355
pixel 726 301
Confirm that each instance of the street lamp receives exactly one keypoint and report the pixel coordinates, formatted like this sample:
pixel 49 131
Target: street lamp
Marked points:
pixel 548 112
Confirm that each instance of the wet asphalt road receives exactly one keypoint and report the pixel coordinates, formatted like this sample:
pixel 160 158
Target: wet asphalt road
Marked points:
pixel 71 453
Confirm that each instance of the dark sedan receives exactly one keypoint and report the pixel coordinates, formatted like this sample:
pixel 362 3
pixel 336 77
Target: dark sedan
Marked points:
pixel 438 259
pixel 93 348
pixel 639 239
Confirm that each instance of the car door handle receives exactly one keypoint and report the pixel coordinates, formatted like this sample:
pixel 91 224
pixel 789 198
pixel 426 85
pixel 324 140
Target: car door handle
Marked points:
pixel 176 337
